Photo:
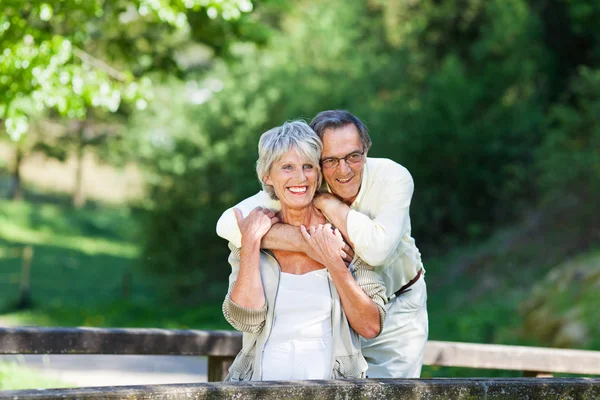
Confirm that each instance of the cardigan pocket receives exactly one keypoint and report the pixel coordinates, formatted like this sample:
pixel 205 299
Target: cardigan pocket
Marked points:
pixel 242 368
pixel 353 366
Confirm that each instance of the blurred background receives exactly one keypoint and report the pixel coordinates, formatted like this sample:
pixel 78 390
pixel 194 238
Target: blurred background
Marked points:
pixel 128 126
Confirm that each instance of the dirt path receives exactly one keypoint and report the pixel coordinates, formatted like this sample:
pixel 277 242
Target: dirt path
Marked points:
pixel 108 370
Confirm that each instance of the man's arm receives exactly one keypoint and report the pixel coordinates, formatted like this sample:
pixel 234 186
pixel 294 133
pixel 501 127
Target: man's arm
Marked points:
pixel 280 237
pixel 374 239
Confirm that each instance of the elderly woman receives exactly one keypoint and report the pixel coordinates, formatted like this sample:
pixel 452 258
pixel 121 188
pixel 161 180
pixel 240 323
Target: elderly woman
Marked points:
pixel 301 316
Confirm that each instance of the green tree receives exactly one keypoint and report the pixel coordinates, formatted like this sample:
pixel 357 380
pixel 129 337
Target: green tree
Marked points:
pixel 74 57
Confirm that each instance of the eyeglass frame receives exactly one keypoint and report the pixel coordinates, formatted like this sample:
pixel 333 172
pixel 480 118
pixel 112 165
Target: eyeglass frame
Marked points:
pixel 345 158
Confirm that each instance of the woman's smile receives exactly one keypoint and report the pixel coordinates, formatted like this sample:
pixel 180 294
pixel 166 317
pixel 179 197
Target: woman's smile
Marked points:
pixel 294 179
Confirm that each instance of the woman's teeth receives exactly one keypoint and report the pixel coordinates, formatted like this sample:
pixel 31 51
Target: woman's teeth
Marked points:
pixel 297 189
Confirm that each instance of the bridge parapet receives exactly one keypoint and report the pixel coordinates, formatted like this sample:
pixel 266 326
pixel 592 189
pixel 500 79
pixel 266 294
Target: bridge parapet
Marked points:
pixel 366 389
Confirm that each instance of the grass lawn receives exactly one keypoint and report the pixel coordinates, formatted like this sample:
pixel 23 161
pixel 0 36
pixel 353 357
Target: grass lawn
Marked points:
pixel 85 271
pixel 15 377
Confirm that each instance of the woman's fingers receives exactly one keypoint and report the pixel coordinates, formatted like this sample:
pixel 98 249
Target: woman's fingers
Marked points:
pixel 238 216
pixel 338 234
pixel 269 213
pixel 304 232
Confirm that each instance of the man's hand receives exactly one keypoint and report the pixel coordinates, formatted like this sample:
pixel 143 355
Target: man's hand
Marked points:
pixel 325 243
pixel 256 224
pixel 347 254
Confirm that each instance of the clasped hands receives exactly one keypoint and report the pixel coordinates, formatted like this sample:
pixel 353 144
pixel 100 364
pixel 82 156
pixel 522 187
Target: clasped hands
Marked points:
pixel 324 243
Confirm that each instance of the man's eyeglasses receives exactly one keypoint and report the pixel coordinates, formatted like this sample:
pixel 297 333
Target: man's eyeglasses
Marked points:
pixel 333 162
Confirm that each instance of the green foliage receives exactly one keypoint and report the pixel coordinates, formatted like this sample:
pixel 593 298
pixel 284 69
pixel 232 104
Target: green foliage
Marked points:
pixel 440 104
pixel 71 56
pixel 569 156
pixel 191 154
pixel 561 310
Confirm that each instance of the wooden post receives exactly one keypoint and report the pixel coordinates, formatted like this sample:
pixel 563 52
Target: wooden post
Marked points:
pixel 218 367
pixel 25 289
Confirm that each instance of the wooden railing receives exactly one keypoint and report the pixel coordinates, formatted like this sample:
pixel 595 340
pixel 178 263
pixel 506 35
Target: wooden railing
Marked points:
pixel 221 347
pixel 359 389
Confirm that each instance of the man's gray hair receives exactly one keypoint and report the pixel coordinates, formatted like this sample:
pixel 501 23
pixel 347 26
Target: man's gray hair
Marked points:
pixel 335 119
pixel 274 143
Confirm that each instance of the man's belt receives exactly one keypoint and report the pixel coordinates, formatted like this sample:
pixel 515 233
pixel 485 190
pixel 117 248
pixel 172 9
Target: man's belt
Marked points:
pixel 409 284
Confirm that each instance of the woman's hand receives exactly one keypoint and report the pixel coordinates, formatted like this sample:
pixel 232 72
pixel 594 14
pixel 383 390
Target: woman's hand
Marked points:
pixel 327 244
pixel 256 224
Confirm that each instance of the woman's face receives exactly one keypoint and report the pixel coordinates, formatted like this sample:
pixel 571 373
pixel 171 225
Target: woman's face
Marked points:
pixel 294 179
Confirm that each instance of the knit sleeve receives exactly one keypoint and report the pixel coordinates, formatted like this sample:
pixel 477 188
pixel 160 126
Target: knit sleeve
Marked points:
pixel 243 319
pixel 371 282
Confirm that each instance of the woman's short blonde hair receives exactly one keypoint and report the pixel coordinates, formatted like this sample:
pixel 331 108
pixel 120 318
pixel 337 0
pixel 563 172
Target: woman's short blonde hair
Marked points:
pixel 274 143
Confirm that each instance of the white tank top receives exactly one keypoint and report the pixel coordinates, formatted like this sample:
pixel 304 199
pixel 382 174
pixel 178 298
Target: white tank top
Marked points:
pixel 300 344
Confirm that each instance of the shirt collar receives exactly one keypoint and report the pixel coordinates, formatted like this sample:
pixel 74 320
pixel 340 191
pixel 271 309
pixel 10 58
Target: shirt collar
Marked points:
pixel 362 189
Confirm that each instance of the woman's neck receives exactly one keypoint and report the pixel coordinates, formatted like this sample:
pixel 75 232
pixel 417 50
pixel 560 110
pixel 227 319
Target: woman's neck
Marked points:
pixel 306 216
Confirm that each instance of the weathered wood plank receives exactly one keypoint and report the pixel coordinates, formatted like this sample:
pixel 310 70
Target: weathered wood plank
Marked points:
pixel 426 389
pixel 228 344
pixel 519 358
pixel 118 341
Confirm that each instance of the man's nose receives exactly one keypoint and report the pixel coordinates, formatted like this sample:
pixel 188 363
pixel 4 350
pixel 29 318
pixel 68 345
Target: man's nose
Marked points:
pixel 343 166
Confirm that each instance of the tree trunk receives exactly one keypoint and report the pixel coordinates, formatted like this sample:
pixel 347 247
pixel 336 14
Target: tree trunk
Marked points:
pixel 79 197
pixel 16 186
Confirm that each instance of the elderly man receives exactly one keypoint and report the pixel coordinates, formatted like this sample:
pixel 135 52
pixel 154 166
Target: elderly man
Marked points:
pixel 368 200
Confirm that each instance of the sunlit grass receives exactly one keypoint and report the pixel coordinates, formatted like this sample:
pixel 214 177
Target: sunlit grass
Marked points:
pixel 91 246
pixel 16 377
pixel 81 230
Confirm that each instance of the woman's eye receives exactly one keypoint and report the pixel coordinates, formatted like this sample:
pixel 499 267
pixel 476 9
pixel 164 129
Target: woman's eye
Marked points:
pixel 308 166
pixel 287 167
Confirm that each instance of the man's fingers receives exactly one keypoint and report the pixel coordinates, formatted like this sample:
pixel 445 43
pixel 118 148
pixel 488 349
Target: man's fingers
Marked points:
pixel 348 250
pixel 347 257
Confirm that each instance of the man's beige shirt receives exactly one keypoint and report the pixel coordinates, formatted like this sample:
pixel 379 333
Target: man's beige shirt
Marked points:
pixel 378 224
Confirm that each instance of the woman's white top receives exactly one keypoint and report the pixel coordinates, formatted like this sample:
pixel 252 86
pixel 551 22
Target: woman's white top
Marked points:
pixel 300 344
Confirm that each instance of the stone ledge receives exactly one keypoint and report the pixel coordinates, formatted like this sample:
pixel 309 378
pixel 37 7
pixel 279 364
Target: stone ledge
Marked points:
pixel 367 389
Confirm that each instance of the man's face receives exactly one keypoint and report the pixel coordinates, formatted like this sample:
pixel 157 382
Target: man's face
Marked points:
pixel 345 179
